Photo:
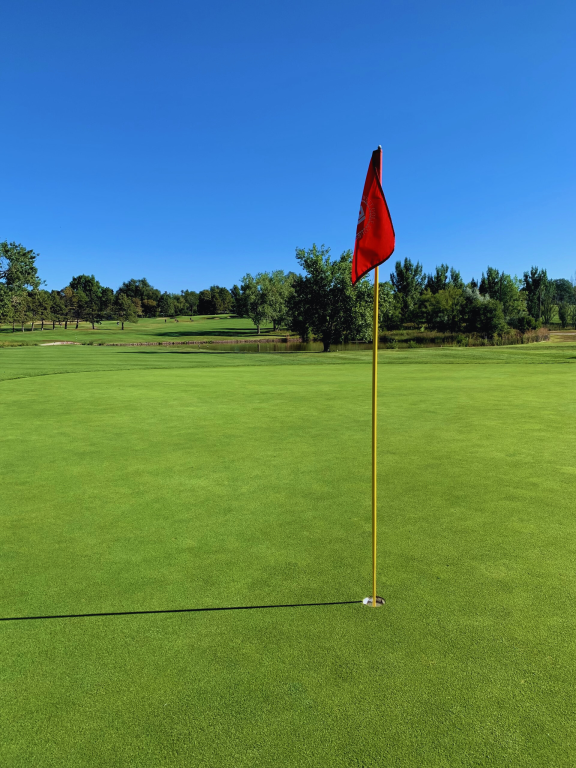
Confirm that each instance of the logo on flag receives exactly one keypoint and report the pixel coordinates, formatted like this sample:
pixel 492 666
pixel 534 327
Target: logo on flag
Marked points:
pixel 365 217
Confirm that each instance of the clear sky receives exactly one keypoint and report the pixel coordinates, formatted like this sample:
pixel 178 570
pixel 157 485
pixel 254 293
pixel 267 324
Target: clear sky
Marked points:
pixel 191 142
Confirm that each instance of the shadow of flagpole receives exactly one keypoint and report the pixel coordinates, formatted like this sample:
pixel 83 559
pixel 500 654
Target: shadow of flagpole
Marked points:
pixel 176 610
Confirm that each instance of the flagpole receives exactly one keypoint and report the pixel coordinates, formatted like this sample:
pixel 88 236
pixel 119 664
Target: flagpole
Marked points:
pixel 375 241
pixel 375 336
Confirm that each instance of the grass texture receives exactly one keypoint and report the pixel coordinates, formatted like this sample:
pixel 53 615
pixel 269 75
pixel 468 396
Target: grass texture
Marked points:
pixel 137 480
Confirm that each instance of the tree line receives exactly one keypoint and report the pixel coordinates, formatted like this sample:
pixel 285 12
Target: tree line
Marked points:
pixel 318 302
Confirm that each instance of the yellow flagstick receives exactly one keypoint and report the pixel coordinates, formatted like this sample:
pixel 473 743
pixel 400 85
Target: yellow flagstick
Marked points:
pixel 375 338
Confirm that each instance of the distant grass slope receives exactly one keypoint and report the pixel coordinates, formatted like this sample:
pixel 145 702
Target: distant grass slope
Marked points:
pixel 201 327
pixel 150 479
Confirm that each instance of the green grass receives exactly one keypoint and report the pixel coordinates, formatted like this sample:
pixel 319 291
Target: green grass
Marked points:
pixel 149 479
pixel 201 327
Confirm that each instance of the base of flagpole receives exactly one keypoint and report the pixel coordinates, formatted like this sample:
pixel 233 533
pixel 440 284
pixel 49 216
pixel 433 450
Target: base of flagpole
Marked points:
pixel 379 601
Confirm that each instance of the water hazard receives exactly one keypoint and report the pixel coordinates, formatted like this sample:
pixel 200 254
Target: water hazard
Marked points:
pixel 313 346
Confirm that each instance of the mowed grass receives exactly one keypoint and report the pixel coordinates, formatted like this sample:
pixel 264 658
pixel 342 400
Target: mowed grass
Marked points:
pixel 157 329
pixel 162 479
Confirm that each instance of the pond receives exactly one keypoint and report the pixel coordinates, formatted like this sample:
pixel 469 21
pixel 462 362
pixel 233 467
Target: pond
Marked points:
pixel 313 346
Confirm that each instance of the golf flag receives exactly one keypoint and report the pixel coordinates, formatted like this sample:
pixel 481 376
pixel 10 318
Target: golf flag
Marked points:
pixel 374 244
pixel 375 237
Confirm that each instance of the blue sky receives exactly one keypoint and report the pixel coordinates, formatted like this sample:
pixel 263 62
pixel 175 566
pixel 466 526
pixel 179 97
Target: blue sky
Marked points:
pixel 193 142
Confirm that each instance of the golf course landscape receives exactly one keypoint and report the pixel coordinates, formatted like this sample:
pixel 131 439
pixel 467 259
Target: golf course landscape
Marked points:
pixel 148 330
pixel 164 478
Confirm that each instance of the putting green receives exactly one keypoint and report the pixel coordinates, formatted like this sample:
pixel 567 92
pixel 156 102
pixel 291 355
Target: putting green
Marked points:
pixel 149 481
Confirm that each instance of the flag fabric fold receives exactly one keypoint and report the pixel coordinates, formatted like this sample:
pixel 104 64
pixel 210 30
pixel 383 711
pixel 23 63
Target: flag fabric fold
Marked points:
pixel 375 238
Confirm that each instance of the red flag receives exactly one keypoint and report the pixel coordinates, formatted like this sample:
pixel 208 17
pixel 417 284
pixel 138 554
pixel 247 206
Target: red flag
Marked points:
pixel 374 234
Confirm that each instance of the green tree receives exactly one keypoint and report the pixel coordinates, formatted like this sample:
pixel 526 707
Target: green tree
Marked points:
pixel 548 298
pixel 237 305
pixel 166 305
pixel 190 301
pixel 325 300
pixel 276 288
pixel 456 279
pixel 408 282
pixel 79 305
pixel 438 281
pixel 180 306
pixel 41 303
pixel 254 299
pixel 388 307
pixel 18 275
pixel 489 283
pixel 534 281
pixel 107 298
pixel 486 317
pixel 564 291
pixel 70 300
pixel 6 306
pixel 92 297
pixel 205 303
pixel 124 309
pixel 505 289
pixel 147 295
pixel 34 302
pixel 57 308
pixel 18 268
pixel 222 302
pixel 444 310
pixel 564 313
pixel 21 308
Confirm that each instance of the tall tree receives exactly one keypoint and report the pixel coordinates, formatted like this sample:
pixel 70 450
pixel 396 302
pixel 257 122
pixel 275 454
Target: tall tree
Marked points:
pixel 6 307
pixel 190 302
pixel 444 310
pixel 438 280
pixel 18 268
pixel 505 289
pixel 276 289
pixel 142 290
pixel 124 309
pixel 221 299
pixel 69 299
pixel 40 306
pixel 408 282
pixel 90 288
pixel 166 305
pixel 548 294
pixel 21 308
pixel 486 316
pixel 564 313
pixel 79 305
pixel 456 279
pixel 205 303
pixel 326 302
pixel 106 303
pixel 534 282
pixel 254 299
pixel 388 307
pixel 57 308
pixel 237 305
pixel 18 275
pixel 564 291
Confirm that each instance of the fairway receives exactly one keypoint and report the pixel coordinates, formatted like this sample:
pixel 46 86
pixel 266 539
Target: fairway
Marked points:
pixel 140 480
pixel 146 330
